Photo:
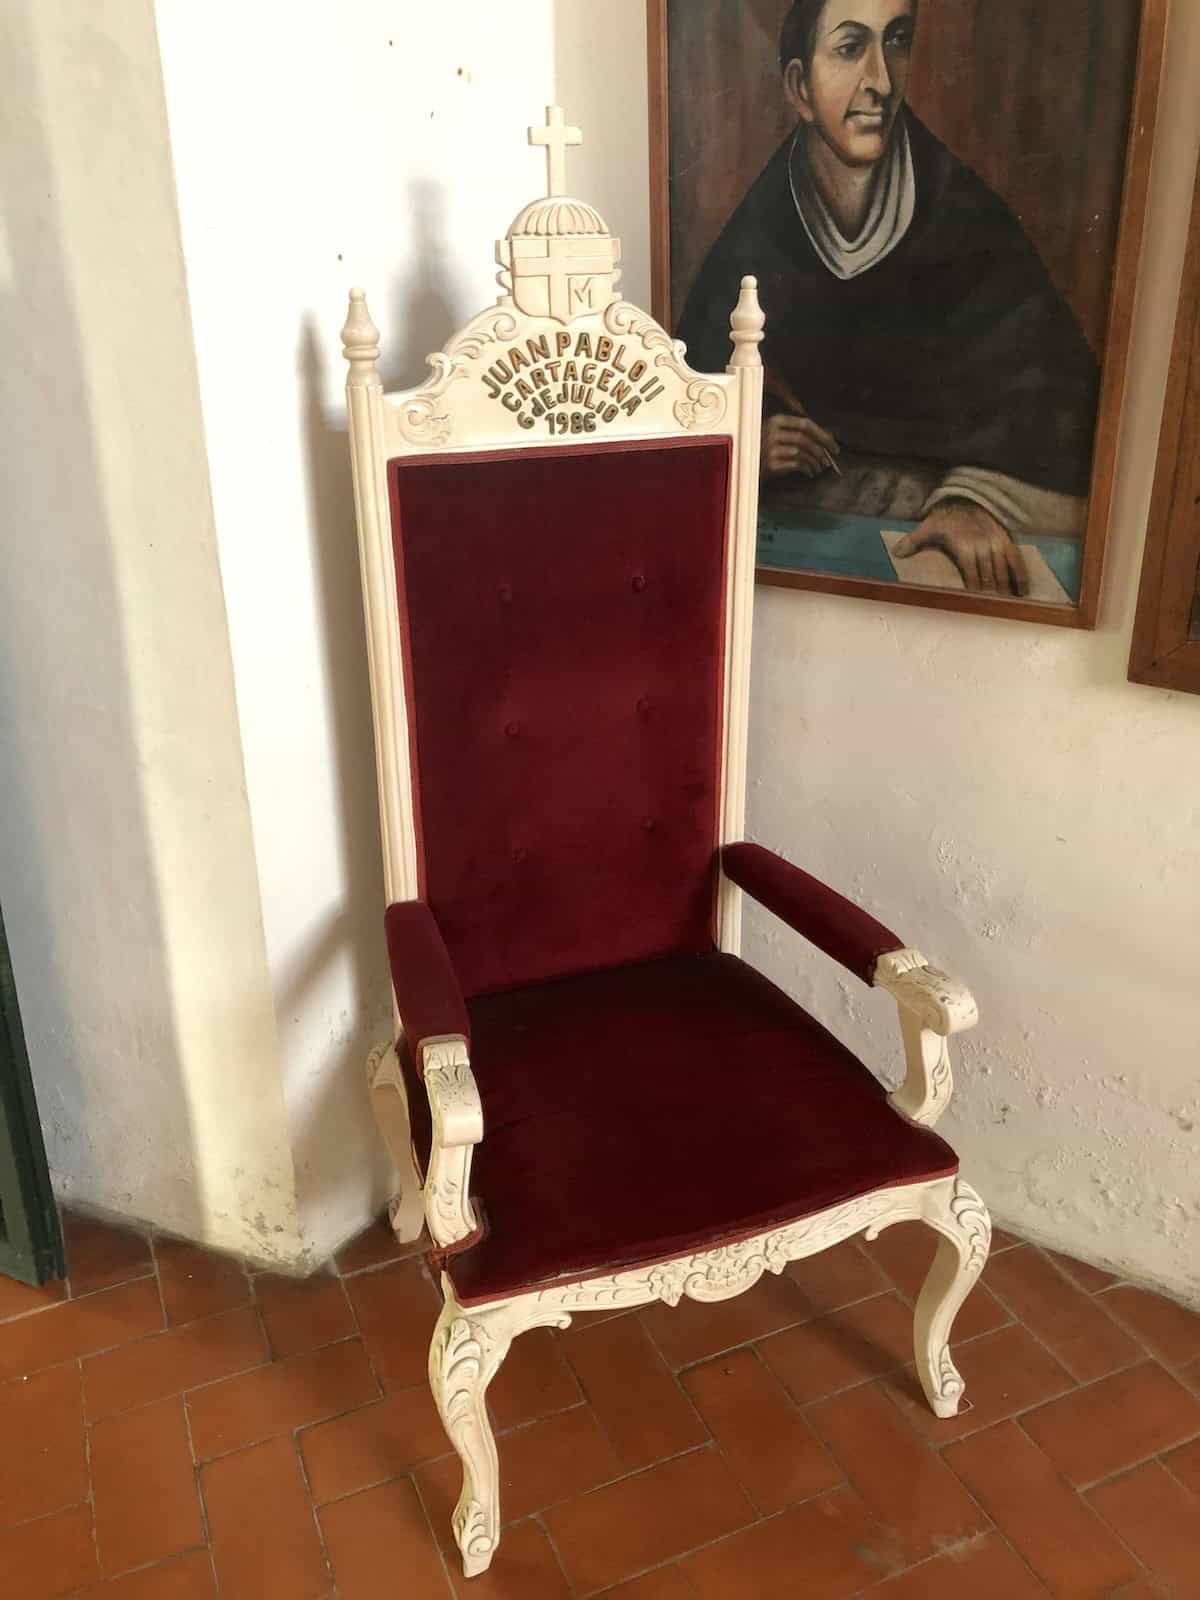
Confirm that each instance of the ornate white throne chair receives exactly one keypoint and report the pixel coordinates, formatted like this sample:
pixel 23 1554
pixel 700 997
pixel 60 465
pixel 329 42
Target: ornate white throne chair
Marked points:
pixel 591 1101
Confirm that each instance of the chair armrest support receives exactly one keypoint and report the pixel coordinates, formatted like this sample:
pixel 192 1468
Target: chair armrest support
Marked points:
pixel 457 1113
pixel 433 1015
pixel 821 915
pixel 932 1006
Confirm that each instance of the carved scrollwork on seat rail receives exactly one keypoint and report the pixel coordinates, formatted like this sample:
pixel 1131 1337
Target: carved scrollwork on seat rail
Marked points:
pixel 731 1269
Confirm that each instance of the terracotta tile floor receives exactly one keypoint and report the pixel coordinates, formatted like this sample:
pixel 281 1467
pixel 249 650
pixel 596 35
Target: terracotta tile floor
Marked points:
pixel 174 1428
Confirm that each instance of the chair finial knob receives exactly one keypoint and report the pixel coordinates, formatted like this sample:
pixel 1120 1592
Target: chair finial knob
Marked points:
pixel 746 326
pixel 360 336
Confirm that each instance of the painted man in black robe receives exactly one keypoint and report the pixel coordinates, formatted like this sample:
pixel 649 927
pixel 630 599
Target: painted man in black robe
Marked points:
pixel 913 334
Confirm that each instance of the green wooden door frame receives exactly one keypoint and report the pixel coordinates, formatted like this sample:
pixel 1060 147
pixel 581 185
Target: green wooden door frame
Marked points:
pixel 31 1245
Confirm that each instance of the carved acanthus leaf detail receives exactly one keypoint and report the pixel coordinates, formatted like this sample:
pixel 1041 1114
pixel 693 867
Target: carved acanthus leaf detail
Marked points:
pixel 705 401
pixel 421 421
pixel 703 408
pixel 950 1386
pixel 491 328
pixel 972 1217
pixel 470 1525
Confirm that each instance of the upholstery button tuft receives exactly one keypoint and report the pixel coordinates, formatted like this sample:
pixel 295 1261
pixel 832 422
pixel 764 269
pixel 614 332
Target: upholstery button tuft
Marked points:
pixel 513 730
pixel 649 824
pixel 639 583
pixel 505 593
pixel 643 705
pixel 520 854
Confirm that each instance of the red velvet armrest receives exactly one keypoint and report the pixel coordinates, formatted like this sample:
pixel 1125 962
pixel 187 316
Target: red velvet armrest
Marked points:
pixel 428 994
pixel 824 917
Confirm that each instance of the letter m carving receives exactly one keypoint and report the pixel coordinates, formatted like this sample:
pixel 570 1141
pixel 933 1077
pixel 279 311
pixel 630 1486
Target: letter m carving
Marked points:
pixel 582 292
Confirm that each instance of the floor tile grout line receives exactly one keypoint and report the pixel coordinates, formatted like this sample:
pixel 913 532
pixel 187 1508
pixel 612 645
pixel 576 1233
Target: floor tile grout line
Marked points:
pixel 1144 1570
pixel 1047 1255
pixel 671 1373
pixel 1066 1483
pixel 1135 1333
pixel 724 1538
pixel 998 1294
pixel 1093 1296
pixel 1130 1466
pixel 286 1431
pixel 74 1299
pixel 87 1457
pixel 294 1438
pixel 167 1331
pixel 1080 1383
pixel 556 1553
pixel 1079 1388
pixel 197 1476
pixel 1161 1458
pixel 445 1557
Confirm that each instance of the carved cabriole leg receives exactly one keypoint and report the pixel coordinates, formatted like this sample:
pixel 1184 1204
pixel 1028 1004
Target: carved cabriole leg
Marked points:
pixel 389 1101
pixel 467 1350
pixel 961 1218
pixel 469 1343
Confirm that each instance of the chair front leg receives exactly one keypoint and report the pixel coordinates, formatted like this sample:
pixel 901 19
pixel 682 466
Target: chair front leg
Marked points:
pixel 389 1101
pixel 467 1351
pixel 961 1218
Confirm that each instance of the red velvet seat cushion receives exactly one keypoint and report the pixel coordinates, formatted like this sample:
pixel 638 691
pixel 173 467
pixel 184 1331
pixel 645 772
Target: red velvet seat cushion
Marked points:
pixel 644 1112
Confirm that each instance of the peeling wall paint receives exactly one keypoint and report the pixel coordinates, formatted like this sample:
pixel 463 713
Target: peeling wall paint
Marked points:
pixel 1009 803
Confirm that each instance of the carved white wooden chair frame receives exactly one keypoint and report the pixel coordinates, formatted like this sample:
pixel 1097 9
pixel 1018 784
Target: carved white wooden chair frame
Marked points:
pixel 560 274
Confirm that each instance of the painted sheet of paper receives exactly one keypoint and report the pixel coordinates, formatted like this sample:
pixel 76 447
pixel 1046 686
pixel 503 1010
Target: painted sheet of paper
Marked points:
pixel 933 569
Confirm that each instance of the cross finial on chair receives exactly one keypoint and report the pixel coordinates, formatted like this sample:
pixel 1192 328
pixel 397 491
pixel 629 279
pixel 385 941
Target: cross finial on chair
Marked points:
pixel 556 137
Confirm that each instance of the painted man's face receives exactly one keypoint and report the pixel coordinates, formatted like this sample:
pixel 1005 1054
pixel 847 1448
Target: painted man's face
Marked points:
pixel 858 76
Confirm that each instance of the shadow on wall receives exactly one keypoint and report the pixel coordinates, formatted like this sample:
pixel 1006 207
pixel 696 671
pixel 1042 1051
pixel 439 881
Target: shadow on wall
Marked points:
pixel 600 81
pixel 334 1120
pixel 77 875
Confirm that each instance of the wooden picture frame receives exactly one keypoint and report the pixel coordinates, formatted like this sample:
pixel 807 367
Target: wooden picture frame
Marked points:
pixel 1166 631
pixel 1106 248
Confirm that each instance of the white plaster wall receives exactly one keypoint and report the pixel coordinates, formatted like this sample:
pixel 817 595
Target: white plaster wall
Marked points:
pixel 127 870
pixel 317 146
pixel 600 80
pixel 1003 797
pixel 998 792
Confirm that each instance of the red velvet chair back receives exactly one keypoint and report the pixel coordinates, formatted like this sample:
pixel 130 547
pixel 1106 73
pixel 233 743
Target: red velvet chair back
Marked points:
pixel 562 615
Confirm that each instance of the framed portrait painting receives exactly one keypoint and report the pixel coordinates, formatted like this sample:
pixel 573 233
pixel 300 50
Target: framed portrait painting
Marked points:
pixel 943 202
pixel 1166 632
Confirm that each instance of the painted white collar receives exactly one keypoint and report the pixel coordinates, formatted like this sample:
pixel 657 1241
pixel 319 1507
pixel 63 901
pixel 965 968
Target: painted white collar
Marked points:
pixel 888 219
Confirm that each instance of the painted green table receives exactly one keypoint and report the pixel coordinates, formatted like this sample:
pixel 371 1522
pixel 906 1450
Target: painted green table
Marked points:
pixel 851 547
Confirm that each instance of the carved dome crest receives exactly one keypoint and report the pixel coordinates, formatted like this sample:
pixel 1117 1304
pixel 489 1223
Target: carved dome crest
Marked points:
pixel 554 215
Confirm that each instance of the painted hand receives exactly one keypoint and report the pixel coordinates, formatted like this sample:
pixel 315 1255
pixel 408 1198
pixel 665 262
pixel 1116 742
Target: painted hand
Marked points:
pixel 979 546
pixel 796 444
